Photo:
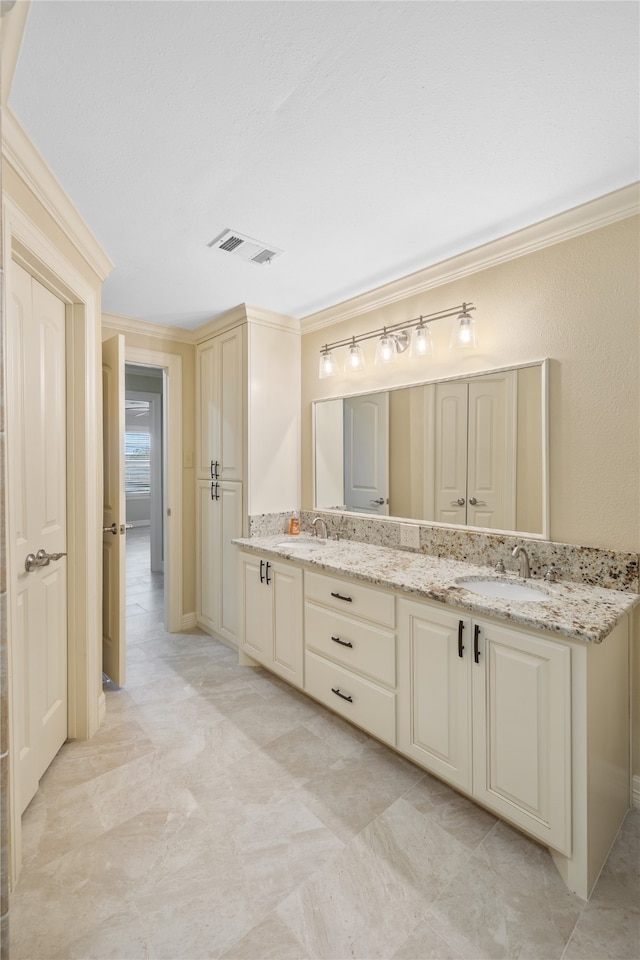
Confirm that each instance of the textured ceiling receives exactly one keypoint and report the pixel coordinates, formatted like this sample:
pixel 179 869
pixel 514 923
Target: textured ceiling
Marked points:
pixel 366 140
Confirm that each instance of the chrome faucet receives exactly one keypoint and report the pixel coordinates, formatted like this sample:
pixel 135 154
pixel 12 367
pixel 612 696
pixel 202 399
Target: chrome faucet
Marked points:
pixel 520 553
pixel 323 535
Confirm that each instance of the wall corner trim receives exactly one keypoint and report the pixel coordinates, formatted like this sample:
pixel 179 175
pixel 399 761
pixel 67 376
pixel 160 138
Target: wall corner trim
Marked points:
pixel 589 216
pixel 635 792
pixel 21 153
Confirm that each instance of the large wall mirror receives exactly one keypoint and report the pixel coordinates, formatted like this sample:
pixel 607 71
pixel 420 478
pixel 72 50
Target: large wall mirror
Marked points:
pixel 470 451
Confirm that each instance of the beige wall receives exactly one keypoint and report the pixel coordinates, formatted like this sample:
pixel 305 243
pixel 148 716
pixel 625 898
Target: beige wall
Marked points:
pixel 188 354
pixel 575 302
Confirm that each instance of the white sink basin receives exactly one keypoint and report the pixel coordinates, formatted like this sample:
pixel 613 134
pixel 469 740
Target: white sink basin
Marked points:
pixel 502 590
pixel 295 544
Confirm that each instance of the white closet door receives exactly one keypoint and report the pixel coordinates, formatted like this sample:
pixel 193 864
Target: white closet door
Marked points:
pixel 450 459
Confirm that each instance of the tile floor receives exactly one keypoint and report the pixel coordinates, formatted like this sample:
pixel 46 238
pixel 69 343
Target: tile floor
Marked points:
pixel 220 813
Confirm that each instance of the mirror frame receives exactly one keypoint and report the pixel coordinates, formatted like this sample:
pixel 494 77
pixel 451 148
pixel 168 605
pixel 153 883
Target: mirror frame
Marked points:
pixel 544 401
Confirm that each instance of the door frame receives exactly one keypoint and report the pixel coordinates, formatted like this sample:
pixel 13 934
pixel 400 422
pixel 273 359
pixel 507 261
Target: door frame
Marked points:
pixel 31 249
pixel 171 366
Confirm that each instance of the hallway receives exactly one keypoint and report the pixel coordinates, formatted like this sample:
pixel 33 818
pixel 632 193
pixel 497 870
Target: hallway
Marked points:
pixel 220 813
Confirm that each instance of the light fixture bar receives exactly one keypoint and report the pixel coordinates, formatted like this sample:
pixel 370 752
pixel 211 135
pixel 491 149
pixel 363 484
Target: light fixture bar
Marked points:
pixel 462 308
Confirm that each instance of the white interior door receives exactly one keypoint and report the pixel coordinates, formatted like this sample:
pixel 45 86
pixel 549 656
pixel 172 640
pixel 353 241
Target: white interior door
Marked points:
pixel 450 452
pixel 113 541
pixel 366 454
pixel 491 453
pixel 37 521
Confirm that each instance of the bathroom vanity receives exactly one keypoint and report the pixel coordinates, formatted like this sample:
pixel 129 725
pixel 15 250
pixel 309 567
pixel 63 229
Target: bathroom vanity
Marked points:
pixel 522 705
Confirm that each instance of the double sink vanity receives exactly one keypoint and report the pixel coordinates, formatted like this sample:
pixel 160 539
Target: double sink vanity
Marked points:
pixel 515 692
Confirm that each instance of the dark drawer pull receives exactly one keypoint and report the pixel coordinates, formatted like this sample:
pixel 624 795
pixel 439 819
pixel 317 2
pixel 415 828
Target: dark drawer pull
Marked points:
pixel 460 643
pixel 476 644
pixel 343 696
pixel 343 643
pixel 339 596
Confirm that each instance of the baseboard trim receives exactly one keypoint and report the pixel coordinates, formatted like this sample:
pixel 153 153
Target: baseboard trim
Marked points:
pixel 635 792
pixel 102 708
pixel 189 621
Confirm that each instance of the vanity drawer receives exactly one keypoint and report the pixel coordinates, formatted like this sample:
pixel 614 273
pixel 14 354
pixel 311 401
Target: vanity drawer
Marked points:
pixel 359 646
pixel 369 706
pixel 351 598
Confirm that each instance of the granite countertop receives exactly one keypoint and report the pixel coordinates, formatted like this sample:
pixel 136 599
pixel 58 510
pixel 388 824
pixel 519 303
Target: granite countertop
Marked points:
pixel 572 610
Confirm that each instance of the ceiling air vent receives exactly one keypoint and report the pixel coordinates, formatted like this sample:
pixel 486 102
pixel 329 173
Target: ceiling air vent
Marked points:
pixel 244 247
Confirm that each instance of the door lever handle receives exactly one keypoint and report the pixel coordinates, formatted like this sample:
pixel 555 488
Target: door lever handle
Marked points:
pixel 41 559
pixel 112 529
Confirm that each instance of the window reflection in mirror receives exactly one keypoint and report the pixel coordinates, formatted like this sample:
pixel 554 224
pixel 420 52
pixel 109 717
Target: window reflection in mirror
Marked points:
pixel 470 451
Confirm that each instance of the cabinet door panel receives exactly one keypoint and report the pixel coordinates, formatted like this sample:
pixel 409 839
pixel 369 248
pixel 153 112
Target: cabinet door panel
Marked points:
pixel 522 753
pixel 257 607
pixel 228 436
pixel 228 510
pixel 205 406
pixel 286 584
pixel 434 702
pixel 205 546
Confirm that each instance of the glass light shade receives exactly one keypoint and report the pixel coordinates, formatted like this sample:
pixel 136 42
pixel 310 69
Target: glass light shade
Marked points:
pixel 386 349
pixel 421 342
pixel 464 335
pixel 327 367
pixel 355 358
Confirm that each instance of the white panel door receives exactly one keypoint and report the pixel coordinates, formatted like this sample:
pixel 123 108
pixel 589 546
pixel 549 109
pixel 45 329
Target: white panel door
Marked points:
pixel 450 452
pixel 491 454
pixel 366 454
pixel 37 479
pixel 114 511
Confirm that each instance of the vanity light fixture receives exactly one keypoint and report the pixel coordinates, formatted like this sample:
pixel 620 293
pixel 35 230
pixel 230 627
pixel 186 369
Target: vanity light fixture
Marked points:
pixel 327 366
pixel 463 334
pixel 421 342
pixel 355 357
pixel 396 338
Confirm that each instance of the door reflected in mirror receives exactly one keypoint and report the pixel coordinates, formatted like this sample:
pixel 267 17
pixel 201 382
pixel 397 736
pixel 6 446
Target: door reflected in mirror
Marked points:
pixel 470 451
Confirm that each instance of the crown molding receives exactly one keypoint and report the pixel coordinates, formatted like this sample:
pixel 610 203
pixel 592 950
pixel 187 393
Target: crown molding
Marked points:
pixel 146 328
pixel 610 208
pixel 245 313
pixel 20 152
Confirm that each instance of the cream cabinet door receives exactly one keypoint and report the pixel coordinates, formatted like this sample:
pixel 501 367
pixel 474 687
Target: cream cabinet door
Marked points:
pixel 37 521
pixel 219 406
pixel 434 694
pixel 522 730
pixel 218 522
pixel 272 615
pixel 287 650
pixel 257 609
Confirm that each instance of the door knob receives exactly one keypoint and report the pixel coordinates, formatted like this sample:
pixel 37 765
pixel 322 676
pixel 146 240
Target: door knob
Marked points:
pixel 476 503
pixel 459 502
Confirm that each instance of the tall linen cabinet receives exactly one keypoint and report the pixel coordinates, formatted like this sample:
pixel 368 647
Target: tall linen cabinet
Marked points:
pixel 247 447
